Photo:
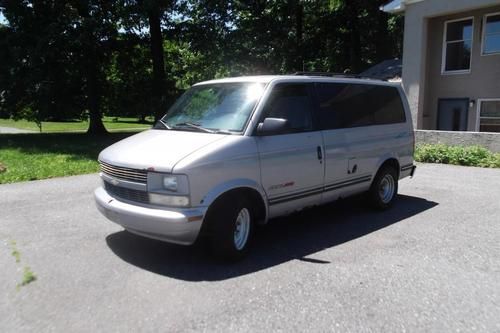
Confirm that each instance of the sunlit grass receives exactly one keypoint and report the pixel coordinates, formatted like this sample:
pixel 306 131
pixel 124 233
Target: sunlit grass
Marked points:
pixel 26 157
pixel 111 124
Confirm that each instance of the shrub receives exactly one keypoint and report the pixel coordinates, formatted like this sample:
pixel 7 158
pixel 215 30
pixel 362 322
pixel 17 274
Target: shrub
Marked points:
pixel 458 155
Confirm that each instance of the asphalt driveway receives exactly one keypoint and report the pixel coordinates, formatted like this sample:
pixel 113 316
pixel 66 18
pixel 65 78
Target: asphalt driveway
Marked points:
pixel 432 263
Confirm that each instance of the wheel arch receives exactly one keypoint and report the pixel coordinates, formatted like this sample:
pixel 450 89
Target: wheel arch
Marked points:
pixel 373 193
pixel 248 188
pixel 391 161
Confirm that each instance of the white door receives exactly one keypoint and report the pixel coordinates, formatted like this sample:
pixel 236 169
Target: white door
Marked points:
pixel 292 168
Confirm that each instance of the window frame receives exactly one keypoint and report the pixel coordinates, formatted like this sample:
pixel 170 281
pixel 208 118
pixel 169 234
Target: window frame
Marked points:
pixel 445 43
pixel 262 114
pixel 373 118
pixel 478 112
pixel 483 35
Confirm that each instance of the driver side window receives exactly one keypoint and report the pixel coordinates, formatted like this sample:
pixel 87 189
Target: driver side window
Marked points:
pixel 291 102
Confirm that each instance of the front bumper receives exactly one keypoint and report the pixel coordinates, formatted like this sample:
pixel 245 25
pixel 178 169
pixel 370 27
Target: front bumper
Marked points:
pixel 180 226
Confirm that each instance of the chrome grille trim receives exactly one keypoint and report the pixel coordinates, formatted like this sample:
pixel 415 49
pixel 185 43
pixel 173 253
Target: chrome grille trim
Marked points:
pixel 133 175
pixel 127 193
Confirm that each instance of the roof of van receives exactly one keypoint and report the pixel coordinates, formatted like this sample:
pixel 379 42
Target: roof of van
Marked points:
pixel 297 78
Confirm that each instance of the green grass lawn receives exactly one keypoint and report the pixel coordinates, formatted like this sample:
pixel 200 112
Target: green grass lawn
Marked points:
pixel 111 124
pixel 38 156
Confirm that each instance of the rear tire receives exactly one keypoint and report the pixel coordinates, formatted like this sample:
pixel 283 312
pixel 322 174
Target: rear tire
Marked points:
pixel 230 224
pixel 384 188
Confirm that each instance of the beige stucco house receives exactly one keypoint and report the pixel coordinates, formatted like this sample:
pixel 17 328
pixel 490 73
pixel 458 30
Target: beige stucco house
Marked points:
pixel 451 63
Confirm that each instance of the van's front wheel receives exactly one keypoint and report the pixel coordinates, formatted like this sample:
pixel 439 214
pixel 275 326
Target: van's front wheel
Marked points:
pixel 231 226
pixel 384 188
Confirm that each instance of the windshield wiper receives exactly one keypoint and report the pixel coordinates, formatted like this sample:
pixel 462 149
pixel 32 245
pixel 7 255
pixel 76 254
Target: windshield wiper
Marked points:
pixel 194 126
pixel 161 124
pixel 223 132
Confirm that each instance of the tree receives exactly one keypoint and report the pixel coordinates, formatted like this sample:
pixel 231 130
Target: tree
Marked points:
pixel 155 14
pixel 129 78
pixel 75 59
pixel 57 53
pixel 97 27
pixel 42 84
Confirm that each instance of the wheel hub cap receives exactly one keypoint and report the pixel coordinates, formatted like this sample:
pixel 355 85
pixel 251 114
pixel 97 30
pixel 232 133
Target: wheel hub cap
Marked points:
pixel 242 229
pixel 386 189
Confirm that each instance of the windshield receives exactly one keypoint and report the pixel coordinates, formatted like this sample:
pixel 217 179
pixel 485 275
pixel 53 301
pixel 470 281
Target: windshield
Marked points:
pixel 215 107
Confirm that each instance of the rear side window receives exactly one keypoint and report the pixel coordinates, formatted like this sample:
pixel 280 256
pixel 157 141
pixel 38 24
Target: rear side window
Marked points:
pixel 292 102
pixel 345 105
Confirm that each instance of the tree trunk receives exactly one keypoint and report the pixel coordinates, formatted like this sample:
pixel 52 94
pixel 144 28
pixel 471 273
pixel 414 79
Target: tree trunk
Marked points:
pixel 159 86
pixel 90 49
pixel 94 95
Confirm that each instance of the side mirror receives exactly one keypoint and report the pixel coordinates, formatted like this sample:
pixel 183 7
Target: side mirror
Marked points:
pixel 271 126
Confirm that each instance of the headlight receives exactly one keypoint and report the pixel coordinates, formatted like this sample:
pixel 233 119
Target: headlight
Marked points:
pixel 170 183
pixel 164 183
pixel 169 200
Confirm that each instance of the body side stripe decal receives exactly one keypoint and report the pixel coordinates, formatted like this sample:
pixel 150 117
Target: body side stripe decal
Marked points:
pixel 327 188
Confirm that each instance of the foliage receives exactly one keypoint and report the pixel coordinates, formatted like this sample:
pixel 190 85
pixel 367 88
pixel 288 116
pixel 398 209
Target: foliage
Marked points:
pixel 28 277
pixel 56 53
pixel 458 155
pixel 39 80
pixel 129 78
pixel 81 59
pixel 15 252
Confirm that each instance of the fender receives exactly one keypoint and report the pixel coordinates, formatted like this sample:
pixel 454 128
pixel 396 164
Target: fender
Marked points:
pixel 384 158
pixel 242 183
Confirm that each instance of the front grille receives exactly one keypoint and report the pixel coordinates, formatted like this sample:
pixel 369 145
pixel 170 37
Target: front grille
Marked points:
pixel 133 175
pixel 127 193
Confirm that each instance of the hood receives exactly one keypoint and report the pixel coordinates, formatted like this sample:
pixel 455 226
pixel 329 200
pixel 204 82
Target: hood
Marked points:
pixel 157 150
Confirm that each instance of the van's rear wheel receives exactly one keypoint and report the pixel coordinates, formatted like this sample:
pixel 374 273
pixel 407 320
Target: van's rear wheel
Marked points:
pixel 231 225
pixel 384 188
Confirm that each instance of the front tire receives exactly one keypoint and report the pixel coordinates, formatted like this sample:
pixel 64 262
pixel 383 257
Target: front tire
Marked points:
pixel 230 222
pixel 384 188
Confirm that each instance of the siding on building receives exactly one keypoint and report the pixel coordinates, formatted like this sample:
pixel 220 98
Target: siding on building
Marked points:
pixel 421 19
pixel 483 81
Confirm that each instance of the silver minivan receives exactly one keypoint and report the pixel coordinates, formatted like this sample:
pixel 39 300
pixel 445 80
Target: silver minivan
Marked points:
pixel 236 152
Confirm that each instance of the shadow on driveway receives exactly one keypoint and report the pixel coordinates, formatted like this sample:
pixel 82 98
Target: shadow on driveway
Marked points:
pixel 284 239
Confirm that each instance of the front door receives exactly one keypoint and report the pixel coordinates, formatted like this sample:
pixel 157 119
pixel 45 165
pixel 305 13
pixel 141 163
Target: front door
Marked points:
pixel 292 168
pixel 452 114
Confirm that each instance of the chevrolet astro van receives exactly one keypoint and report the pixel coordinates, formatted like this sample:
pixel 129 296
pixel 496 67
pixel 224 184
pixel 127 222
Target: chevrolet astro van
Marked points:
pixel 236 152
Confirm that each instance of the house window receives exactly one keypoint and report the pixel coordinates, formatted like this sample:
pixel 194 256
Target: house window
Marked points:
pixel 489 116
pixel 457 45
pixel 491 39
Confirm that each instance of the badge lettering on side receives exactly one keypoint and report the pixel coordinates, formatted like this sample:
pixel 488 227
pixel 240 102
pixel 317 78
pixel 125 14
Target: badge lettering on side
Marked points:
pixel 280 186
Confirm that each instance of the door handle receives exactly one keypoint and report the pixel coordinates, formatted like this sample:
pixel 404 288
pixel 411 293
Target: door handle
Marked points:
pixel 354 169
pixel 320 153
